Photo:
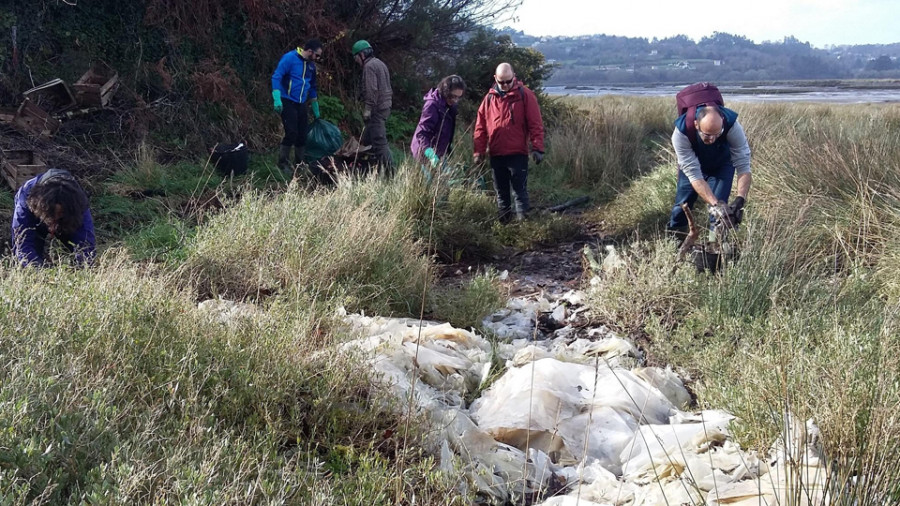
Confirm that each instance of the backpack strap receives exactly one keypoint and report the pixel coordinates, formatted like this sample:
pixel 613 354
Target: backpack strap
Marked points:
pixel 689 129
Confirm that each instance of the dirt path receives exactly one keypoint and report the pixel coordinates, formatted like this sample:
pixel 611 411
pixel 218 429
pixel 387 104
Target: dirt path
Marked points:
pixel 552 269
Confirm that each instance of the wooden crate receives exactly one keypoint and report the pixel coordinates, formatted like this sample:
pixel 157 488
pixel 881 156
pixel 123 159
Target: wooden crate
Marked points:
pixel 31 119
pixel 20 165
pixel 97 86
pixel 53 96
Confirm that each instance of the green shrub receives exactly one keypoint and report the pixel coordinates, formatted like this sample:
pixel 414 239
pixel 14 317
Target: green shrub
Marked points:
pixel 464 306
pixel 162 240
pixel 463 225
pixel 401 124
pixel 332 109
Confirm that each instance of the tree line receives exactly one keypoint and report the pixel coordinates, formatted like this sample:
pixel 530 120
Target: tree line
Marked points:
pixel 598 59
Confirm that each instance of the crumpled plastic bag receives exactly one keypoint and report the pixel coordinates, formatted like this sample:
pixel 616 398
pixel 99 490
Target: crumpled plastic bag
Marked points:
pixel 554 406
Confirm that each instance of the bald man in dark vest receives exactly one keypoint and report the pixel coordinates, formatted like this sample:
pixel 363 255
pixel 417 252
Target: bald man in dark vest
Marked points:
pixel 708 165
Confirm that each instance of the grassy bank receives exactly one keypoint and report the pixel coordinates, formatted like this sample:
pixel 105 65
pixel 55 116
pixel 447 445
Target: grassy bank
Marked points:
pixel 116 388
pixel 806 320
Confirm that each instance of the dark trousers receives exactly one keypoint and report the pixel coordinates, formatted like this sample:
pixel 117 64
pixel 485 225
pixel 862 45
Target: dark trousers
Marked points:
pixel 376 136
pixel 510 170
pixel 295 121
pixel 719 182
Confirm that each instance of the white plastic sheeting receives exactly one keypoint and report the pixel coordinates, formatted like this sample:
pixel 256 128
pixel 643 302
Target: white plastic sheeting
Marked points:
pixel 567 412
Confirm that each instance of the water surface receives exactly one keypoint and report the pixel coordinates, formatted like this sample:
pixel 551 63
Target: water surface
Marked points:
pixel 828 94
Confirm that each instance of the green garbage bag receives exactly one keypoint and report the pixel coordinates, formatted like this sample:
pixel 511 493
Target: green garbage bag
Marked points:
pixel 323 139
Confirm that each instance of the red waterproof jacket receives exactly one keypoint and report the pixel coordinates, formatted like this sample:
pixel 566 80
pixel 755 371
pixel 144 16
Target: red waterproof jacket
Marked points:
pixel 506 123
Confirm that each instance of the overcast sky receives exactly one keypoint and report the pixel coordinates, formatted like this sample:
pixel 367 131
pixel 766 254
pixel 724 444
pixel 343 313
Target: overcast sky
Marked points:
pixel 819 22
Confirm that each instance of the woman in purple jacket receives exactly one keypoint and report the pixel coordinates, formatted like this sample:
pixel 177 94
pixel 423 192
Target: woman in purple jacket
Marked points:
pixel 52 204
pixel 434 134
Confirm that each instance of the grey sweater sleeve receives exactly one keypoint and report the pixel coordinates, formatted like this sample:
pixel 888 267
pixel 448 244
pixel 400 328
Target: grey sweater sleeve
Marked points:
pixel 687 159
pixel 740 149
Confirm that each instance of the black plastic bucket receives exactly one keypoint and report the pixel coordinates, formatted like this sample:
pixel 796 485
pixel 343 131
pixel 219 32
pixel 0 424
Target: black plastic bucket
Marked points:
pixel 709 258
pixel 230 159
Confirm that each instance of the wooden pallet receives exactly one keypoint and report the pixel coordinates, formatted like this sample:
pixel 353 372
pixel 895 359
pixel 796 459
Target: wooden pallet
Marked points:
pixel 20 165
pixel 97 86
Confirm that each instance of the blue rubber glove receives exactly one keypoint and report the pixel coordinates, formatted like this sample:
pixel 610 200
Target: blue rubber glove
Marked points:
pixel 537 156
pixel 432 157
pixel 315 108
pixel 276 100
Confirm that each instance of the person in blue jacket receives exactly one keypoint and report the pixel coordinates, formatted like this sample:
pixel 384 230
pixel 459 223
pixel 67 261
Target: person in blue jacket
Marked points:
pixel 52 204
pixel 293 87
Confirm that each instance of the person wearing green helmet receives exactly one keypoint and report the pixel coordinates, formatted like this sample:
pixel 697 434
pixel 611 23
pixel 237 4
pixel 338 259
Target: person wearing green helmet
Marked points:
pixel 293 87
pixel 376 91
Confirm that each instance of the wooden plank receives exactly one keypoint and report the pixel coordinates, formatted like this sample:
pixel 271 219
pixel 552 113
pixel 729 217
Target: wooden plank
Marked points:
pixel 113 80
pixel 10 179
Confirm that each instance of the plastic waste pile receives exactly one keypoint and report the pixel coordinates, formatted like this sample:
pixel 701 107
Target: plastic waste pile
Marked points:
pixel 568 416
pixel 571 416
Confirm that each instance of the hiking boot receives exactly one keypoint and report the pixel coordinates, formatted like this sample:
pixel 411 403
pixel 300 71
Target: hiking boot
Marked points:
pixel 299 151
pixel 284 160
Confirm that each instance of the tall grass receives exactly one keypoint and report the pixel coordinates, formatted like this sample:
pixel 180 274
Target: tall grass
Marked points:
pixel 842 160
pixel 116 389
pixel 347 242
pixel 805 322
pixel 600 144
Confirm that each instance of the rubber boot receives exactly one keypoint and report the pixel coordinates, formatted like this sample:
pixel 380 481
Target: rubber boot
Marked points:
pixel 284 160
pixel 299 151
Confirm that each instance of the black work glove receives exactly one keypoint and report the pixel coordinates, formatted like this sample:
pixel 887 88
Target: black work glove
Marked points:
pixel 537 156
pixel 736 210
pixel 722 214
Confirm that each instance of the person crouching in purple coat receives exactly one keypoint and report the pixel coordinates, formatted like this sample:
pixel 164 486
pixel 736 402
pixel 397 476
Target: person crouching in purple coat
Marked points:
pixel 434 133
pixel 52 204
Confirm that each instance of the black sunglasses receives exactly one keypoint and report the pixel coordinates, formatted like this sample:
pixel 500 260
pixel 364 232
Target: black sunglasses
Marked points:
pixel 508 81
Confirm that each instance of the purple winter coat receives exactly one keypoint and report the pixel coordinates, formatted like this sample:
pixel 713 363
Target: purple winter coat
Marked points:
pixel 29 233
pixel 436 126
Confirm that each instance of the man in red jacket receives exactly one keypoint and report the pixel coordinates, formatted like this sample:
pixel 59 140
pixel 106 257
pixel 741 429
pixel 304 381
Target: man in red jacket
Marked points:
pixel 508 118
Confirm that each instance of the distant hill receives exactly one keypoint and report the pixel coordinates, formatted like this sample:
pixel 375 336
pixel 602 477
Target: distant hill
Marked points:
pixel 722 57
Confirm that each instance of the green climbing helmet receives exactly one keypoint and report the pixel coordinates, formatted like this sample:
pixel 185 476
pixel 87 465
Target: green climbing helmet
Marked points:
pixel 359 46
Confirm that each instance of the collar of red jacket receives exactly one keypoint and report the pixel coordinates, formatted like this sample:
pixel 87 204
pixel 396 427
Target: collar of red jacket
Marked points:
pixel 514 87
